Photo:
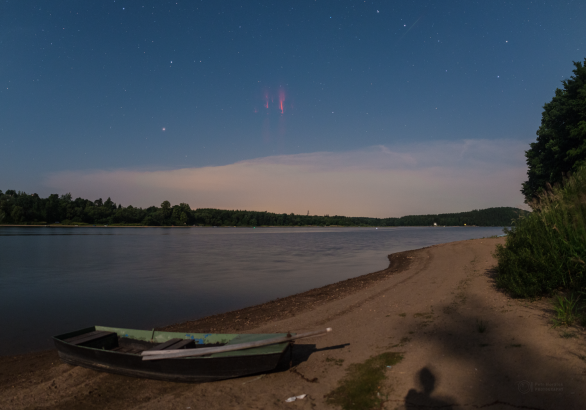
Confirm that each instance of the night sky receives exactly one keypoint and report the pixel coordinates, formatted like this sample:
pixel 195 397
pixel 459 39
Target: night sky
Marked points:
pixel 361 108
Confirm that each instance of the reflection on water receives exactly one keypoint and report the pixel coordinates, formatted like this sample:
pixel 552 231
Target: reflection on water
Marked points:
pixel 54 280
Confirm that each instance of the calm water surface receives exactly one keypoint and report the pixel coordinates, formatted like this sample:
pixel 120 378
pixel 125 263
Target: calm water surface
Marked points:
pixel 54 280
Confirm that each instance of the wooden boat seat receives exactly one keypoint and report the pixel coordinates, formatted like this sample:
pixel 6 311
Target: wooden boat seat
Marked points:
pixel 174 344
pixel 90 337
pixel 183 344
pixel 165 345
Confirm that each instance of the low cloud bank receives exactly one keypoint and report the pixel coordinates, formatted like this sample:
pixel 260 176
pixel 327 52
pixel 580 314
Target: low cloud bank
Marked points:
pixel 379 181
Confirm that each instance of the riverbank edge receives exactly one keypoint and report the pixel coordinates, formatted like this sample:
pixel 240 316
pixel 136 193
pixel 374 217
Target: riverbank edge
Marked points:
pixel 280 308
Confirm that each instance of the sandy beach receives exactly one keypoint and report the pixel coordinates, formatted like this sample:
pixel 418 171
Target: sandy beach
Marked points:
pixel 429 305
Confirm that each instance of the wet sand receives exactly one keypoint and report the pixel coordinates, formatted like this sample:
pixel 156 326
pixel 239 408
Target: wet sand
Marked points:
pixel 427 305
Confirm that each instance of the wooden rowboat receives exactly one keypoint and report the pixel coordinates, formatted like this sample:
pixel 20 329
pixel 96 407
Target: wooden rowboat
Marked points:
pixel 120 351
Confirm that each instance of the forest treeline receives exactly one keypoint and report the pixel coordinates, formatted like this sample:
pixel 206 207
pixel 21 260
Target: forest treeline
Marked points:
pixel 26 209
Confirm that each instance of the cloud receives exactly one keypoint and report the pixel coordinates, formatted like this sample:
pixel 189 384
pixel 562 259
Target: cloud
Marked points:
pixel 379 181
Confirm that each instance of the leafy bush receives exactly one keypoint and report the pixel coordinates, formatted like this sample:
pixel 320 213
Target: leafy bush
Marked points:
pixel 546 250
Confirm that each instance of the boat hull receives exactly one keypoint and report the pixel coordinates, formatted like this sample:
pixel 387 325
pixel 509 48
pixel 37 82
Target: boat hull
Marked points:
pixel 190 369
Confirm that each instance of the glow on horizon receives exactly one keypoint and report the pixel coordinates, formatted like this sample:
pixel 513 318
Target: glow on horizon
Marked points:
pixel 375 182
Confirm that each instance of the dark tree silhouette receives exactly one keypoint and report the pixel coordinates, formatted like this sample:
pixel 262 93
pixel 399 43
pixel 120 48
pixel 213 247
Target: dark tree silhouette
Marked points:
pixel 561 139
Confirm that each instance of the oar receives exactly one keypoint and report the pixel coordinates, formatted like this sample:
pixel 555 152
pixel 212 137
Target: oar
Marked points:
pixel 171 354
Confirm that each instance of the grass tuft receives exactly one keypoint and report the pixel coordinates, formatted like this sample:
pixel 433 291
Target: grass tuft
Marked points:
pixel 360 388
pixel 566 310
pixel 546 250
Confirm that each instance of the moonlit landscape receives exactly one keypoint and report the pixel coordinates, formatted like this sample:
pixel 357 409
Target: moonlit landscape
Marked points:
pixel 310 204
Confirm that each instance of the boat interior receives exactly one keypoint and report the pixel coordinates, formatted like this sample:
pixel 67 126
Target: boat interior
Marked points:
pixel 106 340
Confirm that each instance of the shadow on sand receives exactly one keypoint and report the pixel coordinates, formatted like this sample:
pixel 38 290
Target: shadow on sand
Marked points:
pixel 513 363
pixel 423 399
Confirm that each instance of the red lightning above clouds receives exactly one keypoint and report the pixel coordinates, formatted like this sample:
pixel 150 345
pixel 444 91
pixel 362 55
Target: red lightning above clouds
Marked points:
pixel 281 98
pixel 272 102
pixel 270 97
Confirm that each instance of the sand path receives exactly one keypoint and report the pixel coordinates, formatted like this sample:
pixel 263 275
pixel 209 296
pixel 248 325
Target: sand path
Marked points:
pixel 429 309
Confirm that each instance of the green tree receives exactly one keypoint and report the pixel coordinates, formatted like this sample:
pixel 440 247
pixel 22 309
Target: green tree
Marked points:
pixel 182 213
pixel 561 139
pixel 176 212
pixel 17 214
pixel 2 216
pixel 165 206
pixel 109 204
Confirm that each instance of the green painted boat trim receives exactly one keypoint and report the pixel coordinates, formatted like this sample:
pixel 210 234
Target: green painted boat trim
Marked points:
pixel 199 338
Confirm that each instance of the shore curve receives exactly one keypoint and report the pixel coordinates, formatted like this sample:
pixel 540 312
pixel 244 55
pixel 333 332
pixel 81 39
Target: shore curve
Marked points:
pixel 427 305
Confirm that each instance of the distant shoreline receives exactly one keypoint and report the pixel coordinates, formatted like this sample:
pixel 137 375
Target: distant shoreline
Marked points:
pixel 249 227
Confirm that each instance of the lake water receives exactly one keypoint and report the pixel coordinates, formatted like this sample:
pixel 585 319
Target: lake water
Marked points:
pixel 55 280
